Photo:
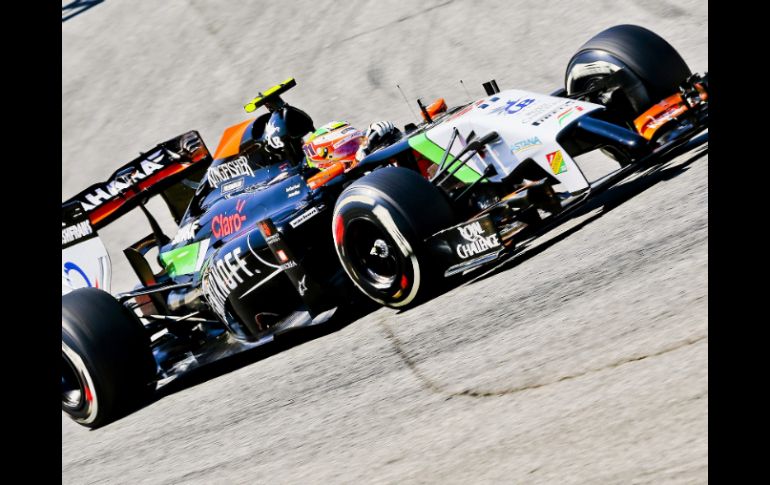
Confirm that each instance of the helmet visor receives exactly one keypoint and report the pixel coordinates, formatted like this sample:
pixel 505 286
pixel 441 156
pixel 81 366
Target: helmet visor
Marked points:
pixel 348 146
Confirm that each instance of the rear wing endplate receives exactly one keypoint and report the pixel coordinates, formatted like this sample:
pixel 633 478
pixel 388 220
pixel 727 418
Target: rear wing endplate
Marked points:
pixel 84 259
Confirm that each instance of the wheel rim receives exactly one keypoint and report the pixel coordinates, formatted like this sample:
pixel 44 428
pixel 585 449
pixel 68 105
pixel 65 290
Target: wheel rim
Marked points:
pixel 72 387
pixel 634 87
pixel 79 397
pixel 373 254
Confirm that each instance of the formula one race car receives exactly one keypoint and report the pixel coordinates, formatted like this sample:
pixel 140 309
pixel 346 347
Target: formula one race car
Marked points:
pixel 262 233
pixel 248 261
pixel 502 169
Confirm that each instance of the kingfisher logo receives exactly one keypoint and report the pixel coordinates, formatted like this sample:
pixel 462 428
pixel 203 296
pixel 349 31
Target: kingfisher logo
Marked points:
pixel 223 225
pixel 229 170
pixel 75 232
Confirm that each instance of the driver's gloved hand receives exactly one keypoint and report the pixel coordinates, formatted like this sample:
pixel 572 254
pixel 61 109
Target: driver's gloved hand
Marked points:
pixel 378 130
pixel 379 134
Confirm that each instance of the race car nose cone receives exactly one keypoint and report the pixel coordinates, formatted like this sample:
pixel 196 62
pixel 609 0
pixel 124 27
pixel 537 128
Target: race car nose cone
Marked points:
pixel 380 249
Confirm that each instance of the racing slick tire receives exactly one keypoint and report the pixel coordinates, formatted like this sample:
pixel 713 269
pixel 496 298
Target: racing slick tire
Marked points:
pixel 380 223
pixel 107 364
pixel 653 68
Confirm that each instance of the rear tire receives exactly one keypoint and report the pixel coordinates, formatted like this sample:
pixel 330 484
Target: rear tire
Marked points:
pixel 654 69
pixel 380 224
pixel 107 364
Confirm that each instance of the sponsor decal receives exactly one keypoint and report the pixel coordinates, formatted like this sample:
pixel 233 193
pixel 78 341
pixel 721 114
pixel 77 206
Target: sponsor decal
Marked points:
pixel 556 161
pixel 477 241
pixel 292 190
pixel 302 286
pixel 72 270
pixel 493 99
pixel 228 171
pixel 553 112
pixel 539 110
pixel 238 190
pixel 282 255
pixel 186 232
pixel 352 136
pixel 78 231
pixel 665 117
pixel 569 112
pixel 303 217
pixel 288 265
pixel 231 186
pixel 120 183
pixel 512 107
pixel 223 276
pixel 270 235
pixel 465 110
pixel 223 225
pixel 527 144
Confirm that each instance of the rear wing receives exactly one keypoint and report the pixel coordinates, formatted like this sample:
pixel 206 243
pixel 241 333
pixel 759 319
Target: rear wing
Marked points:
pixel 152 173
pixel 171 169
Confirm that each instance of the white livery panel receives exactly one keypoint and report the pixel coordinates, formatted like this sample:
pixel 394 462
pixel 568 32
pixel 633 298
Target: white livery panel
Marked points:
pixel 528 124
pixel 84 259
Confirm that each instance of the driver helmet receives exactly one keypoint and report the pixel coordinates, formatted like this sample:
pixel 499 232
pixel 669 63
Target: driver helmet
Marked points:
pixel 333 143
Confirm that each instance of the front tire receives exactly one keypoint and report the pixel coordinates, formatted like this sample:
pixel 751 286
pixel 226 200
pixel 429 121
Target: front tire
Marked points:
pixel 380 223
pixel 653 69
pixel 107 364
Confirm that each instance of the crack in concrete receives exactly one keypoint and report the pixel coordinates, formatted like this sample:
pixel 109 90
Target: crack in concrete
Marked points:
pixel 392 22
pixel 432 386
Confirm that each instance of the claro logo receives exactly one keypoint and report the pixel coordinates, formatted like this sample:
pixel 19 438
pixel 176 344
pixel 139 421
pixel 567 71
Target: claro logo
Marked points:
pixel 223 225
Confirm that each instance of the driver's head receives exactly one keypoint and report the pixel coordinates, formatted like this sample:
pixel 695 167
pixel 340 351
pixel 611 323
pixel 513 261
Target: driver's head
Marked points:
pixel 332 143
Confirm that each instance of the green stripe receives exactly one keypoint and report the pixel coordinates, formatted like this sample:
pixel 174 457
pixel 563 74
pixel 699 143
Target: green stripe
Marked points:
pixel 434 153
pixel 182 260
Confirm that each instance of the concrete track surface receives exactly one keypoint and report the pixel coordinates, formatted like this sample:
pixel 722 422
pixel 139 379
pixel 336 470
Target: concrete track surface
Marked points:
pixel 582 361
